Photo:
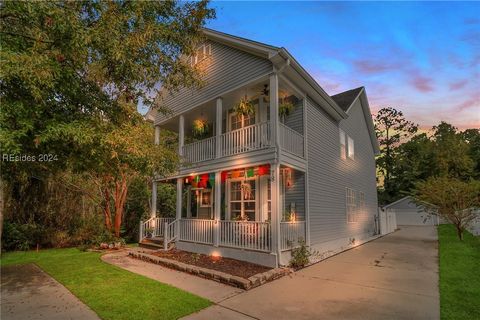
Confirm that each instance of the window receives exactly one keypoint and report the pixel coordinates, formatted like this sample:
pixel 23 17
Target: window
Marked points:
pixel 203 52
pixel 361 201
pixel 351 205
pixel 206 198
pixel 343 147
pixel 351 148
pixel 243 199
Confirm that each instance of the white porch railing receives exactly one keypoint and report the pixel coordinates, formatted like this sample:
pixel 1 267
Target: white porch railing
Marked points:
pixel 291 140
pixel 200 150
pixel 196 230
pixel 170 233
pixel 246 139
pixel 246 235
pixel 290 233
pixel 154 227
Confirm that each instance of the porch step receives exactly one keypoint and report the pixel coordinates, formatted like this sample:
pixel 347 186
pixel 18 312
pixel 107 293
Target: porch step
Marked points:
pixel 154 243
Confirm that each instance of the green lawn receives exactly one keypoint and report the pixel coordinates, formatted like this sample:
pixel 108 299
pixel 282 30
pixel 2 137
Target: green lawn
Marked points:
pixel 459 275
pixel 113 293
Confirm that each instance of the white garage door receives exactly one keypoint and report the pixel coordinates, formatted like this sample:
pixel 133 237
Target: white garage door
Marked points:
pixel 414 218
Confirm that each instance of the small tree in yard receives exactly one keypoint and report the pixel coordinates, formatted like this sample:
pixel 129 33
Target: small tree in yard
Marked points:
pixel 451 199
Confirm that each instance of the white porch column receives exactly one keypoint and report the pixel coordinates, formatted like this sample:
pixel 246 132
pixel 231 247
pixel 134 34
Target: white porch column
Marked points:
pixel 181 134
pixel 276 208
pixel 218 127
pixel 153 213
pixel 274 119
pixel 157 135
pixel 179 204
pixel 217 208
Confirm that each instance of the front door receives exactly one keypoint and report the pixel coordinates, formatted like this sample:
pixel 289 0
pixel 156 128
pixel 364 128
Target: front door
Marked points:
pixel 242 199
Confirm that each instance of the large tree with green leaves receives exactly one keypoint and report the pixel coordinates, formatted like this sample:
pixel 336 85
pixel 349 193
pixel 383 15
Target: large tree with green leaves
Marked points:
pixel 392 128
pixel 72 74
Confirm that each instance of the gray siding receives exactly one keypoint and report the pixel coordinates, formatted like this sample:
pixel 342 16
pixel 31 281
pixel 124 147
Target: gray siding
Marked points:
pixel 405 204
pixel 228 69
pixel 295 119
pixel 329 175
pixel 296 193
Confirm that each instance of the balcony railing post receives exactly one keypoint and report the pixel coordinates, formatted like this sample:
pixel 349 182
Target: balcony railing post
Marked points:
pixel 218 127
pixel 217 207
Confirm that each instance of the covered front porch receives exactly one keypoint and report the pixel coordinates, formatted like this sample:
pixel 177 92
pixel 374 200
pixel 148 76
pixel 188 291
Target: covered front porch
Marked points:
pixel 252 213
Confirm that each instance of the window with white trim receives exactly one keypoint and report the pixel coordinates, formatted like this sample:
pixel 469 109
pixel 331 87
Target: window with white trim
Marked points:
pixel 343 145
pixel 351 205
pixel 351 148
pixel 203 52
pixel 361 201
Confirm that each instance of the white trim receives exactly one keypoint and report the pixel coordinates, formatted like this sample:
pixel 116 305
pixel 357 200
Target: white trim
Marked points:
pixel 395 202
pixel 306 174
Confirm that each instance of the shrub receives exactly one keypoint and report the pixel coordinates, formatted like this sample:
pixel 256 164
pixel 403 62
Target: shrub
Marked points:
pixel 300 255
pixel 17 236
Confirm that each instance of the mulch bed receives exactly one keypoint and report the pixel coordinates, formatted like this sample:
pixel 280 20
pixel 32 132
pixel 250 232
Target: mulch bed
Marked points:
pixel 231 266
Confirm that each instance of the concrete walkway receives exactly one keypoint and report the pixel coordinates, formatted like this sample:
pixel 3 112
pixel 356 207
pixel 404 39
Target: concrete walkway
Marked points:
pixel 27 292
pixel 393 277
pixel 211 290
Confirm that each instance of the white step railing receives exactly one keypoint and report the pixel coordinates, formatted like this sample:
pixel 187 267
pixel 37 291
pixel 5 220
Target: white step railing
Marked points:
pixel 291 140
pixel 246 139
pixel 246 235
pixel 153 227
pixel 170 233
pixel 197 230
pixel 200 150
pixel 291 233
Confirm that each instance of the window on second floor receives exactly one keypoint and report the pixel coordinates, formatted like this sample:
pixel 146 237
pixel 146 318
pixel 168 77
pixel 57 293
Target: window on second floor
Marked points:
pixel 343 146
pixel 204 51
pixel 351 148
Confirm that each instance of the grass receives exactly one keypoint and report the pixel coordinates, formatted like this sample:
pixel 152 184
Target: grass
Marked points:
pixel 113 293
pixel 459 274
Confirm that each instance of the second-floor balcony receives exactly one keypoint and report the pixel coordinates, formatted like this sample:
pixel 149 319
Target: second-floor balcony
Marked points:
pixel 217 129
pixel 250 138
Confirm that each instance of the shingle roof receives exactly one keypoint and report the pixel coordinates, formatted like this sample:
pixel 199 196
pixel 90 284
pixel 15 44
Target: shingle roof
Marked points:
pixel 346 98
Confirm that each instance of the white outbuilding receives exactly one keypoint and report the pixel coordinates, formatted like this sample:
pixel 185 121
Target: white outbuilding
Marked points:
pixel 408 213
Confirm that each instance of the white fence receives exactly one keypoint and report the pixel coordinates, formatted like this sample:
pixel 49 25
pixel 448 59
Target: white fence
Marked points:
pixel 291 233
pixel 246 139
pixel 291 140
pixel 200 150
pixel 388 221
pixel 197 230
pixel 246 235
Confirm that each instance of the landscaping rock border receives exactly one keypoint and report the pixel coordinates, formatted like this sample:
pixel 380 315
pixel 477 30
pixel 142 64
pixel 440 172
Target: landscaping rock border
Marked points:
pixel 246 284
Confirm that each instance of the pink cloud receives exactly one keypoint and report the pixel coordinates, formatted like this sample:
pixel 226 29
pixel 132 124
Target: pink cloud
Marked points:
pixel 458 84
pixel 423 84
pixel 473 102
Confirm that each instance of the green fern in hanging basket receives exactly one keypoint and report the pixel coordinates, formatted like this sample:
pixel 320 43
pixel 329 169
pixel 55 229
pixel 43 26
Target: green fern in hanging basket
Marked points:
pixel 200 128
pixel 244 108
pixel 285 108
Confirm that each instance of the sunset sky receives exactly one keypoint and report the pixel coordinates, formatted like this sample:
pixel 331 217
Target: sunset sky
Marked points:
pixel 421 58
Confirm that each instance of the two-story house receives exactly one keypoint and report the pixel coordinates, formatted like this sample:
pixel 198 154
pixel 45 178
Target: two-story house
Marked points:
pixel 268 158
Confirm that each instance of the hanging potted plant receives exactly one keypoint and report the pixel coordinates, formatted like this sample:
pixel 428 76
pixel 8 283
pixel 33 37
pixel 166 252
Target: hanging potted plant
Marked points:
pixel 285 108
pixel 200 128
pixel 244 108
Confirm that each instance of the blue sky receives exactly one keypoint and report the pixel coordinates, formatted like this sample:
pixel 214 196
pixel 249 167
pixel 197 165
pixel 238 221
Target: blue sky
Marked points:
pixel 421 57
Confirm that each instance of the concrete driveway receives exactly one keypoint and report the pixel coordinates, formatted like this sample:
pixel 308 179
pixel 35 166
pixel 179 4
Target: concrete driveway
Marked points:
pixel 393 277
pixel 30 293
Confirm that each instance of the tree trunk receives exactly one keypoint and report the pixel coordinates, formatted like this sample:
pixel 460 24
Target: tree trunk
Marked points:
pixel 121 189
pixel 459 232
pixel 106 209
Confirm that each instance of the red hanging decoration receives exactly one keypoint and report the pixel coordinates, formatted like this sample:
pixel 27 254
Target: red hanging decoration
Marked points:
pixel 264 170
pixel 224 176
pixel 204 177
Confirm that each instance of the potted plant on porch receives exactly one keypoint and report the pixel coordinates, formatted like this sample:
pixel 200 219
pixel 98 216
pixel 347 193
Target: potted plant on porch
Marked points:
pixel 244 108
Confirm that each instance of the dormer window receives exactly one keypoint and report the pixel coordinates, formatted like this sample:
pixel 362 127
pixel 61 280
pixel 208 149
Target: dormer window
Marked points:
pixel 203 52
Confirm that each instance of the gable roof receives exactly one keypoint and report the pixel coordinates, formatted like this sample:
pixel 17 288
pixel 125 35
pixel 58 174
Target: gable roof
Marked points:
pixel 336 106
pixel 347 98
